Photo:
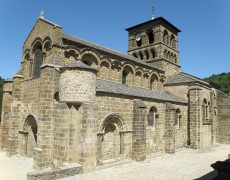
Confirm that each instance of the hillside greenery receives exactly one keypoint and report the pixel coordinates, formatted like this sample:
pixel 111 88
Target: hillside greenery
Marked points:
pixel 220 81
pixel 1 92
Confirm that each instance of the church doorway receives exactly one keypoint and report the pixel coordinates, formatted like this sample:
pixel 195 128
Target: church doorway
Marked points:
pixel 29 136
pixel 111 139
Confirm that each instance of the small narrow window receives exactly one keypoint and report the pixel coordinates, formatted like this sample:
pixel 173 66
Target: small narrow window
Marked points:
pixel 141 55
pixel 153 53
pixel 138 40
pixel 205 110
pixel 151 37
pixel 178 118
pixel 124 77
pixel 37 61
pixel 154 82
pixel 165 37
pixel 135 55
pixel 146 55
pixel 151 118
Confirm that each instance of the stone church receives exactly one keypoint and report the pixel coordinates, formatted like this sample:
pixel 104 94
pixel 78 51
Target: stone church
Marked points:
pixel 73 101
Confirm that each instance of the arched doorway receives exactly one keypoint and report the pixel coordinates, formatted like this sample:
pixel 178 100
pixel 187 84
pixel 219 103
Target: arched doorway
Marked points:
pixel 29 136
pixel 111 139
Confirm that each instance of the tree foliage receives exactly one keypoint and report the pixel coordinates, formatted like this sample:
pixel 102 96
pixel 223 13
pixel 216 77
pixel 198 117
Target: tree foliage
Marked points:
pixel 220 81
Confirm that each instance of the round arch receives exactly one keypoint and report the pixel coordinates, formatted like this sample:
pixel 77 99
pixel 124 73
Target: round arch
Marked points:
pixel 113 118
pixel 127 66
pixel 106 63
pixel 47 43
pixel 92 52
pixel 37 42
pixel 138 72
pixel 31 122
pixel 90 58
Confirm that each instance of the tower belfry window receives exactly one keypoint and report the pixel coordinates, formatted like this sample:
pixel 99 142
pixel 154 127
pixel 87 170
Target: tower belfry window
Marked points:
pixel 138 40
pixel 151 37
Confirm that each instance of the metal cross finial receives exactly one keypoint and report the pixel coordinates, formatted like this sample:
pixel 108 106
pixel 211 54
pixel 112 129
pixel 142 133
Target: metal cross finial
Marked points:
pixel 42 15
pixel 153 9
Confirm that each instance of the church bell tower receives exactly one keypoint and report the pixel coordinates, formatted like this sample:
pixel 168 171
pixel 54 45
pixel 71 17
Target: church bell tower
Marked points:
pixel 156 43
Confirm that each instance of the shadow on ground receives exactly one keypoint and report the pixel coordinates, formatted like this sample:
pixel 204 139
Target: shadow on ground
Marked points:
pixel 210 176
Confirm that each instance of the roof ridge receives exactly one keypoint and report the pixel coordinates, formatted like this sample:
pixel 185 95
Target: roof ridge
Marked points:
pixel 193 77
pixel 102 48
pixel 50 22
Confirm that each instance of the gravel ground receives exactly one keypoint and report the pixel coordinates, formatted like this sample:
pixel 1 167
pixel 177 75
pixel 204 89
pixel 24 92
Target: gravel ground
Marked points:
pixel 185 164
pixel 15 167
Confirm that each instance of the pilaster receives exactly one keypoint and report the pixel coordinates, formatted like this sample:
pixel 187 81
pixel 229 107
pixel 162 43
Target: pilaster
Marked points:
pixel 139 131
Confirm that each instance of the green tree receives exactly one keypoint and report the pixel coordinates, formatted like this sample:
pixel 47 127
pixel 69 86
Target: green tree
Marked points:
pixel 220 81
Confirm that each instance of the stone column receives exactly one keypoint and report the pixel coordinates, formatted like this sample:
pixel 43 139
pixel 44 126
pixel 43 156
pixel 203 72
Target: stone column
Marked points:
pixel 43 153
pixel 194 117
pixel 139 131
pixel 122 148
pixel 5 119
pixel 170 115
pixel 99 148
pixel 88 138
pixel 15 115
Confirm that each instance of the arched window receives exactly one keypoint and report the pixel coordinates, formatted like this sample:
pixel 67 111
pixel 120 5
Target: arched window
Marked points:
pixel 138 41
pixel 171 57
pixel 154 82
pixel 175 58
pixel 146 54
pixel 141 55
pixel 135 55
pixel 165 54
pixel 205 110
pixel 152 116
pixel 153 54
pixel 172 41
pixel 124 77
pixel 165 37
pixel 178 118
pixel 37 61
pixel 127 75
pixel 151 37
pixel 90 60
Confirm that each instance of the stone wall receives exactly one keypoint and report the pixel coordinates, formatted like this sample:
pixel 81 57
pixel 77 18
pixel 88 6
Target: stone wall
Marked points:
pixel 5 116
pixel 201 127
pixel 62 172
pixel 223 114
pixel 155 133
pixel 77 86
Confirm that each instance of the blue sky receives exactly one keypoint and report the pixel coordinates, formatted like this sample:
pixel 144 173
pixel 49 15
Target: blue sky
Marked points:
pixel 204 42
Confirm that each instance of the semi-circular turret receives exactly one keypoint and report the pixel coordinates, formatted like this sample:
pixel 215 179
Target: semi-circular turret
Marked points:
pixel 77 83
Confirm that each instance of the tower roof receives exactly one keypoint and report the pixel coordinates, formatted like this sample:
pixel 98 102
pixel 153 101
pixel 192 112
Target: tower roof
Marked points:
pixel 158 20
